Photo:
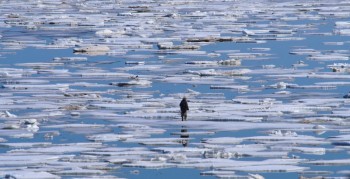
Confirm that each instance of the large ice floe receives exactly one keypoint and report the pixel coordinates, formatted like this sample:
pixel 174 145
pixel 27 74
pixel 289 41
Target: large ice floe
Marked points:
pixel 91 89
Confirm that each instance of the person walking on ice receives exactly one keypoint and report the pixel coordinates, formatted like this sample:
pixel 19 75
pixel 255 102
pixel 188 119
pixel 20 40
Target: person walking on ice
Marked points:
pixel 184 108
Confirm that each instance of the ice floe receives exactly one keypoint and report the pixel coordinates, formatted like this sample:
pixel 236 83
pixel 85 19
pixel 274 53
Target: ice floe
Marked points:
pixel 264 95
pixel 28 175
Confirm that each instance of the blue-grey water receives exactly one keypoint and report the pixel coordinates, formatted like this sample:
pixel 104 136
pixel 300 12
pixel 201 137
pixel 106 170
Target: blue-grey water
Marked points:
pixel 20 45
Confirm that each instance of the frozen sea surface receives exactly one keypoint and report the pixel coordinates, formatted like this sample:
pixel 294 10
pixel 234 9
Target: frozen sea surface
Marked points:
pixel 91 89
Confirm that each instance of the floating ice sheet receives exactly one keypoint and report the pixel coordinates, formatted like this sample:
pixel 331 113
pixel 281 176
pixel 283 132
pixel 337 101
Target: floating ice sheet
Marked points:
pixel 109 137
pixel 271 168
pixel 153 48
pixel 331 162
pixel 28 175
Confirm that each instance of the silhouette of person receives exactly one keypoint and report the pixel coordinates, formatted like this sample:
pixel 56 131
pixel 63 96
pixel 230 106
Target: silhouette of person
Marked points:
pixel 184 108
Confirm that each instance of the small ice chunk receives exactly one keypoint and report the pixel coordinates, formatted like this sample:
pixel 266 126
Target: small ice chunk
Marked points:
pixel 7 114
pixel 27 175
pixel 79 171
pixel 9 75
pixel 104 33
pixel 135 62
pixel 329 57
pixel 255 176
pixel 109 137
pixel 260 49
pixel 75 113
pixel 342 24
pixel 198 62
pixel 271 168
pixel 69 59
pixel 223 140
pixel 300 63
pixel 26 144
pixel 235 87
pixel 11 126
pixel 132 83
pixel 150 164
pixel 319 129
pixel 268 66
pixel 230 62
pixel 30 121
pixel 209 72
pixel 93 50
pixel 335 162
pixel 220 174
pixel 283 133
pixel 170 45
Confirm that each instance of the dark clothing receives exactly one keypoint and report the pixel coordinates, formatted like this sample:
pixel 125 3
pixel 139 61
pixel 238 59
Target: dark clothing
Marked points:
pixel 184 105
pixel 184 115
pixel 184 108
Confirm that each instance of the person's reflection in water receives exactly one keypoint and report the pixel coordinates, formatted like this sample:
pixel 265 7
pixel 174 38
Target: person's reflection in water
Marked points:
pixel 184 136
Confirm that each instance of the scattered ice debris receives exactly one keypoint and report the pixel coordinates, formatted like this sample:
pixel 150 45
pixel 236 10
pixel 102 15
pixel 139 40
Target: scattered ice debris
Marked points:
pixel 7 114
pixel 61 87
pixel 255 176
pixel 283 133
pixel 170 45
pixel 319 129
pixel 69 59
pixel 150 164
pixel 75 114
pixel 83 95
pixel 93 50
pixel 271 168
pixel 135 172
pixel 213 72
pixel 280 85
pixel 304 52
pixel 268 66
pixel 11 126
pixel 335 57
pixel 2 140
pixel 220 174
pixel 300 63
pixel 84 126
pixel 77 171
pixel 260 49
pixel 134 63
pixel 224 140
pixel 340 67
pixel 209 72
pixel 158 141
pixel 8 74
pixel 27 175
pixel 235 87
pixel 107 33
pixel 305 150
pixel 333 43
pixel 233 62
pixel 109 137
pixel 138 82
pixel 330 162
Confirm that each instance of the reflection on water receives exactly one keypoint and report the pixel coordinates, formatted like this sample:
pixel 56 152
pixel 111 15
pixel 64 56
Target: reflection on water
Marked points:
pixel 184 136
pixel 291 47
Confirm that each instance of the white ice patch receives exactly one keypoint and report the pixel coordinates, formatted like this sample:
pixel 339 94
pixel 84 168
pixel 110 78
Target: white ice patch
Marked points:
pixel 109 137
pixel 259 111
pixel 28 175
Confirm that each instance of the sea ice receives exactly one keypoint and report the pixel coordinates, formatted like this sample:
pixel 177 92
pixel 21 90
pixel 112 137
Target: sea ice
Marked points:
pixel 259 107
pixel 109 137
pixel 28 175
